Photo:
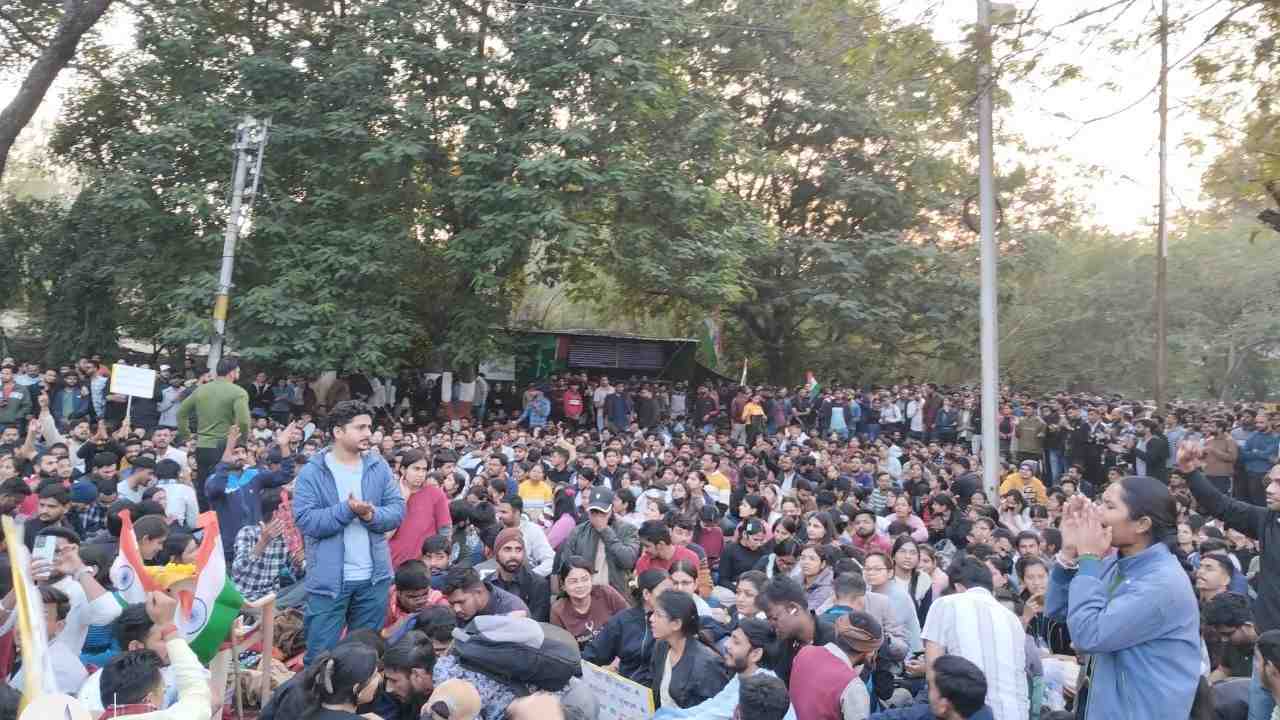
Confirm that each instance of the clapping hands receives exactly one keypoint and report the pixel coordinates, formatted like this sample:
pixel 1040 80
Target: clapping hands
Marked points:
pixel 1082 528
pixel 362 510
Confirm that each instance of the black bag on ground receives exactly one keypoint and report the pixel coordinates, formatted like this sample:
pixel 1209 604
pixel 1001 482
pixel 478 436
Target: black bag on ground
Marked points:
pixel 519 651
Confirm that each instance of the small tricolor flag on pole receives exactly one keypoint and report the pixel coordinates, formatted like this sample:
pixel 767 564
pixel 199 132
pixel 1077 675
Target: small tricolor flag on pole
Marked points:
pixel 811 384
pixel 208 601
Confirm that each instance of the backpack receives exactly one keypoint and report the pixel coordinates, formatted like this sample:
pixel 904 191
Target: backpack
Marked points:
pixel 519 652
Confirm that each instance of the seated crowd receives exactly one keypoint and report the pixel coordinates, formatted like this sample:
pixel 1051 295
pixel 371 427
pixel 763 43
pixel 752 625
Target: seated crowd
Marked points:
pixel 753 553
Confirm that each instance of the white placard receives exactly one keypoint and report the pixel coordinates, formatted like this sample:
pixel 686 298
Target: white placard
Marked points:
pixel 502 369
pixel 132 381
pixel 617 698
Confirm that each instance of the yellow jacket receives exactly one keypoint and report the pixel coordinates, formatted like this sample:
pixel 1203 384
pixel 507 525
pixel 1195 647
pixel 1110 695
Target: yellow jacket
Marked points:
pixel 1013 481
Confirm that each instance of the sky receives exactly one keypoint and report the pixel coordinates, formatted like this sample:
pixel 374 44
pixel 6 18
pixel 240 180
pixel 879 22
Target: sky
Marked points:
pixel 1123 148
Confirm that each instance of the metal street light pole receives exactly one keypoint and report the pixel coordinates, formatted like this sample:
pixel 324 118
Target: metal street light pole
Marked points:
pixel 987 191
pixel 251 142
pixel 1162 232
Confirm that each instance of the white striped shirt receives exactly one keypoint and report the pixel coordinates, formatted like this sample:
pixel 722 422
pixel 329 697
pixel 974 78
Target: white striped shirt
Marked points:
pixel 975 626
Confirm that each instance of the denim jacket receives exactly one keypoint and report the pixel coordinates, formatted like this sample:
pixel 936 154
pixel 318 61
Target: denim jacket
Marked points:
pixel 322 516
pixel 1137 619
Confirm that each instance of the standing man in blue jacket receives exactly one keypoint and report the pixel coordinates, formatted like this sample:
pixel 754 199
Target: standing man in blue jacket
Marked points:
pixel 1259 454
pixel 233 488
pixel 345 501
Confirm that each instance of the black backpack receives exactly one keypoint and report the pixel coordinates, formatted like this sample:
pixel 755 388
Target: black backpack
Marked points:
pixel 519 652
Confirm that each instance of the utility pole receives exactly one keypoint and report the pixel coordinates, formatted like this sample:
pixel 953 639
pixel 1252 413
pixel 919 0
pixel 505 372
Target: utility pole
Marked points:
pixel 987 203
pixel 249 147
pixel 1162 230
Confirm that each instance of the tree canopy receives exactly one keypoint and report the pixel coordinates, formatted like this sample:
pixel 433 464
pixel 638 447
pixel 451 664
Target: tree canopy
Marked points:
pixel 805 170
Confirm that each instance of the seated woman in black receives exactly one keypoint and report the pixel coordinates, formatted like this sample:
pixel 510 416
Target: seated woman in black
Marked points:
pixel 340 680
pixel 686 671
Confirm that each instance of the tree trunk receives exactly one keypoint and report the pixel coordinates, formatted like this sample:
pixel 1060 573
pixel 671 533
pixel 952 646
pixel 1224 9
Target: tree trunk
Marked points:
pixel 78 16
pixel 1234 360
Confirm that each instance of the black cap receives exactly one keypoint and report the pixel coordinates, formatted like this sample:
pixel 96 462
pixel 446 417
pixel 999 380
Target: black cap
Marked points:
pixel 753 527
pixel 601 498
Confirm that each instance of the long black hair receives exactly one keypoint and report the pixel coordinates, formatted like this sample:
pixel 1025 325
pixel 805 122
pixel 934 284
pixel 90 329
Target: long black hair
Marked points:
pixel 337 675
pixel 680 606
pixel 647 580
pixel 915 571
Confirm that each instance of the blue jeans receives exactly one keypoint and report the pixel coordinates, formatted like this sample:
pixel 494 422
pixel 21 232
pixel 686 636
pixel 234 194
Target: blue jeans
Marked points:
pixel 359 605
pixel 873 431
pixel 1056 465
pixel 1261 704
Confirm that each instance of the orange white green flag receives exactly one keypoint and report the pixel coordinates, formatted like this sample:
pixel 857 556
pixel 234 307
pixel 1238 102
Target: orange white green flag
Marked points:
pixel 208 601
pixel 207 612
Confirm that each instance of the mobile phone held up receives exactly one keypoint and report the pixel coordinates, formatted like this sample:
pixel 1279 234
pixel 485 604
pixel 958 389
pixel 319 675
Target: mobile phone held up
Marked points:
pixel 46 548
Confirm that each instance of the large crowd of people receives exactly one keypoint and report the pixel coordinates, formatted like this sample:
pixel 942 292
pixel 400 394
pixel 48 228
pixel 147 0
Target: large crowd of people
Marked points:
pixel 754 553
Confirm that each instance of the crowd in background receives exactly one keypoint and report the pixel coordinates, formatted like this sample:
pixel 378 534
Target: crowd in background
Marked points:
pixel 744 551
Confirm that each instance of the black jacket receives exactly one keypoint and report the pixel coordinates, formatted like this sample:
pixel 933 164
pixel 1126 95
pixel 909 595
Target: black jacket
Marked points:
pixel 627 638
pixel 785 651
pixel 1258 523
pixel 534 590
pixel 736 560
pixel 646 412
pixel 698 676
pixel 1156 456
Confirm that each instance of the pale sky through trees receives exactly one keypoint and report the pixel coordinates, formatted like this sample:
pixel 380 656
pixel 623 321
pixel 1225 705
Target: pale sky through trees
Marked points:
pixel 1123 148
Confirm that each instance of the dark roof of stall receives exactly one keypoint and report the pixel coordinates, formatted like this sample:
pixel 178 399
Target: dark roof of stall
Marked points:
pixel 584 332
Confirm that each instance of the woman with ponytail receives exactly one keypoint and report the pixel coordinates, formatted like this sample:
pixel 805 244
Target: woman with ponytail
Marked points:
pixel 340 680
pixel 1133 611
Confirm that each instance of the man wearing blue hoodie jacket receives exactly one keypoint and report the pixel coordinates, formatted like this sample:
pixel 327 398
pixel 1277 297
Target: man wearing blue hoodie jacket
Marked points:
pixel 345 501
pixel 233 488
pixel 1258 455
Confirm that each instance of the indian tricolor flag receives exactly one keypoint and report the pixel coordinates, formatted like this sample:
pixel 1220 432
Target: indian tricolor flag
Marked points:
pixel 207 612
pixel 208 602
pixel 128 575
pixel 811 384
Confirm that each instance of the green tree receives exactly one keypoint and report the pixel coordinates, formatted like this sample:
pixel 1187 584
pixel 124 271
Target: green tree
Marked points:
pixel 39 39
pixel 790 180
pixel 427 161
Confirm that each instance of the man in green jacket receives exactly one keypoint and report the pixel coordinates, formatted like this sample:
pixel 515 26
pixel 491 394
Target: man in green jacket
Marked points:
pixel 601 533
pixel 217 405
pixel 15 404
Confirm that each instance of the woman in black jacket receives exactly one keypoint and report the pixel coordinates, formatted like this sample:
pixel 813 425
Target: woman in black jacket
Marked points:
pixel 626 637
pixel 686 671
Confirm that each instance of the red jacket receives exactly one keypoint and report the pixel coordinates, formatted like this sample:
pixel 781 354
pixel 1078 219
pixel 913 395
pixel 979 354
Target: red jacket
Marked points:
pixel 425 512
pixel 818 680
pixel 572 404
